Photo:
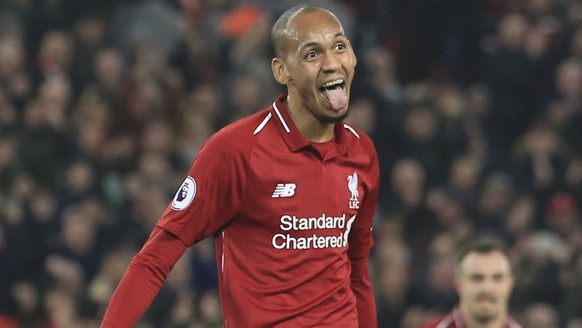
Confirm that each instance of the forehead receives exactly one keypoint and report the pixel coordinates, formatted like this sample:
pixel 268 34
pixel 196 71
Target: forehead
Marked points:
pixel 485 263
pixel 314 25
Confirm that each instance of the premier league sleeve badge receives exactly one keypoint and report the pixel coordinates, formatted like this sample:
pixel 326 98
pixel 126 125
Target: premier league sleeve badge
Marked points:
pixel 185 194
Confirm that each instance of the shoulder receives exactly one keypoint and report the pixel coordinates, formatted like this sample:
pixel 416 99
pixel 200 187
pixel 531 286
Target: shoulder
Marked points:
pixel 358 141
pixel 357 136
pixel 512 323
pixel 239 136
pixel 444 321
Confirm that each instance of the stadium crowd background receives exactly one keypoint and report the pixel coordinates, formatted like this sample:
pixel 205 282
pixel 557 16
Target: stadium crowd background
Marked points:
pixel 475 107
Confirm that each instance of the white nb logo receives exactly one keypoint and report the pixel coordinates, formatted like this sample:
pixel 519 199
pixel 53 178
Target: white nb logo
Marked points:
pixel 284 190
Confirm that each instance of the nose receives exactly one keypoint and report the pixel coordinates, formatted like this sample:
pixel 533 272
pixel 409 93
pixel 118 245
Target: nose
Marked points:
pixel 331 62
pixel 488 286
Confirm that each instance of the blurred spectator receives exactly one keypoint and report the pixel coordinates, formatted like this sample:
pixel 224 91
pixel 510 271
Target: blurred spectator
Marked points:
pixel 540 315
pixel 28 307
pixel 572 285
pixel 565 109
pixel 496 196
pixel 392 273
pixel 363 115
pixel 520 219
pixel 484 282
pixel 538 260
pixel 509 75
pixel 433 287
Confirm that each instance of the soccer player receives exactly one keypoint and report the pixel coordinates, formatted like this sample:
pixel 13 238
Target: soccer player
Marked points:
pixel 484 282
pixel 289 194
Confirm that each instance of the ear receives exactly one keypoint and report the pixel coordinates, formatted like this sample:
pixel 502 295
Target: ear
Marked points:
pixel 457 284
pixel 512 282
pixel 280 71
pixel 354 58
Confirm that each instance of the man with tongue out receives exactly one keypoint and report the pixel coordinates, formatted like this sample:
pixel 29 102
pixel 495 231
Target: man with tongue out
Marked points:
pixel 293 160
pixel 484 282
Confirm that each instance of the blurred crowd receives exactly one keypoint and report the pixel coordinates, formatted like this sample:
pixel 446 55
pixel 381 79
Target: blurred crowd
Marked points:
pixel 475 107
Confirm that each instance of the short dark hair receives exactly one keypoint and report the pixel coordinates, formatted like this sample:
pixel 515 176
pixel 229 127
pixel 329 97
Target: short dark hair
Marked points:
pixel 483 245
pixel 280 32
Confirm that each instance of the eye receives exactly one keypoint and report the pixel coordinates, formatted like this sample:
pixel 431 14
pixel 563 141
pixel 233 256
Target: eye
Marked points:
pixel 498 277
pixel 476 278
pixel 340 46
pixel 311 55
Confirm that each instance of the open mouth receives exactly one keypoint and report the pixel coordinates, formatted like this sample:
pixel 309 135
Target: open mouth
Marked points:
pixel 339 83
pixel 335 93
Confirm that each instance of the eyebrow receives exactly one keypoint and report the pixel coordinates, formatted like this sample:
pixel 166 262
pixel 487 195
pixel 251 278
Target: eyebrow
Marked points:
pixel 311 44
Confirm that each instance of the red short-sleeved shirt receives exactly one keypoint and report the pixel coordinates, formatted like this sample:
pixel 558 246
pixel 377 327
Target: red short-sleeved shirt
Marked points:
pixel 287 221
pixel 454 319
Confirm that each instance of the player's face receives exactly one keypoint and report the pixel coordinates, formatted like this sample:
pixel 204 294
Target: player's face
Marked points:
pixel 484 284
pixel 320 63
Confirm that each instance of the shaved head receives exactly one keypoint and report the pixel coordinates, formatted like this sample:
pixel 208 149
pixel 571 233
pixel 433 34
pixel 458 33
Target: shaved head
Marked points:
pixel 281 33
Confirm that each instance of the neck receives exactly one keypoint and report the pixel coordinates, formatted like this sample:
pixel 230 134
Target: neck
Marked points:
pixel 310 126
pixel 471 322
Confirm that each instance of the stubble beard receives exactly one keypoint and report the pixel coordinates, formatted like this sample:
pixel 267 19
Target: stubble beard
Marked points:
pixel 325 119
pixel 484 318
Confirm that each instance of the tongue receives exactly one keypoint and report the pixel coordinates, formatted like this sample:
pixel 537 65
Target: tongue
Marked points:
pixel 337 97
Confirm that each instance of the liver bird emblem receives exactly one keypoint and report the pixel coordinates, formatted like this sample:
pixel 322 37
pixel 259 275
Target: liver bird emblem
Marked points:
pixel 353 185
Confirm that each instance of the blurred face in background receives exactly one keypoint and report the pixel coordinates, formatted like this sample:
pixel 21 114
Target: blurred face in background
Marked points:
pixel 484 283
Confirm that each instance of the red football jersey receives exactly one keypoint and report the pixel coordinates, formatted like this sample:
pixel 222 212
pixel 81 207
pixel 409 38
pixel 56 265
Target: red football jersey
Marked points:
pixel 454 319
pixel 289 222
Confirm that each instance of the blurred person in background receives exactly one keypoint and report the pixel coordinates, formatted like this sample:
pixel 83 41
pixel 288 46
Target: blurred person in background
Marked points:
pixel 564 109
pixel 509 74
pixel 537 261
pixel 540 315
pixel 287 254
pixel 391 271
pixel 484 281
pixel 572 284
pixel 433 286
pixel 495 199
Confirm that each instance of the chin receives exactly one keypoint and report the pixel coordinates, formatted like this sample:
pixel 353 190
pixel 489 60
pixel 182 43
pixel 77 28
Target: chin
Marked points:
pixel 486 315
pixel 334 119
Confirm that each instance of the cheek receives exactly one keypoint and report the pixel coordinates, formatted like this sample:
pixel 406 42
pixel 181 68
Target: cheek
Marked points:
pixel 304 77
pixel 506 289
pixel 463 289
pixel 350 60
pixel 470 290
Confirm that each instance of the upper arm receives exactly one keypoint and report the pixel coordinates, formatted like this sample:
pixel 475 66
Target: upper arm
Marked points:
pixel 214 189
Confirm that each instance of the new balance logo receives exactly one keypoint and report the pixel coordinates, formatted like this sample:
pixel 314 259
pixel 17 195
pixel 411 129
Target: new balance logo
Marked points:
pixel 284 190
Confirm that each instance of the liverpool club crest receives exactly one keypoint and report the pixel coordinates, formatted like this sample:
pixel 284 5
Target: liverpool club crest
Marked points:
pixel 354 203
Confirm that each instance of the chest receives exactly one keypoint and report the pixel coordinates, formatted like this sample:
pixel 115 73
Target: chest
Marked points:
pixel 283 185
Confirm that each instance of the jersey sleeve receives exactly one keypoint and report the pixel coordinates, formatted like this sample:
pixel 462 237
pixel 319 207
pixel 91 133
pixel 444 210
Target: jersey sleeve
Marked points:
pixel 143 279
pixel 210 195
pixel 360 242
pixel 361 238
